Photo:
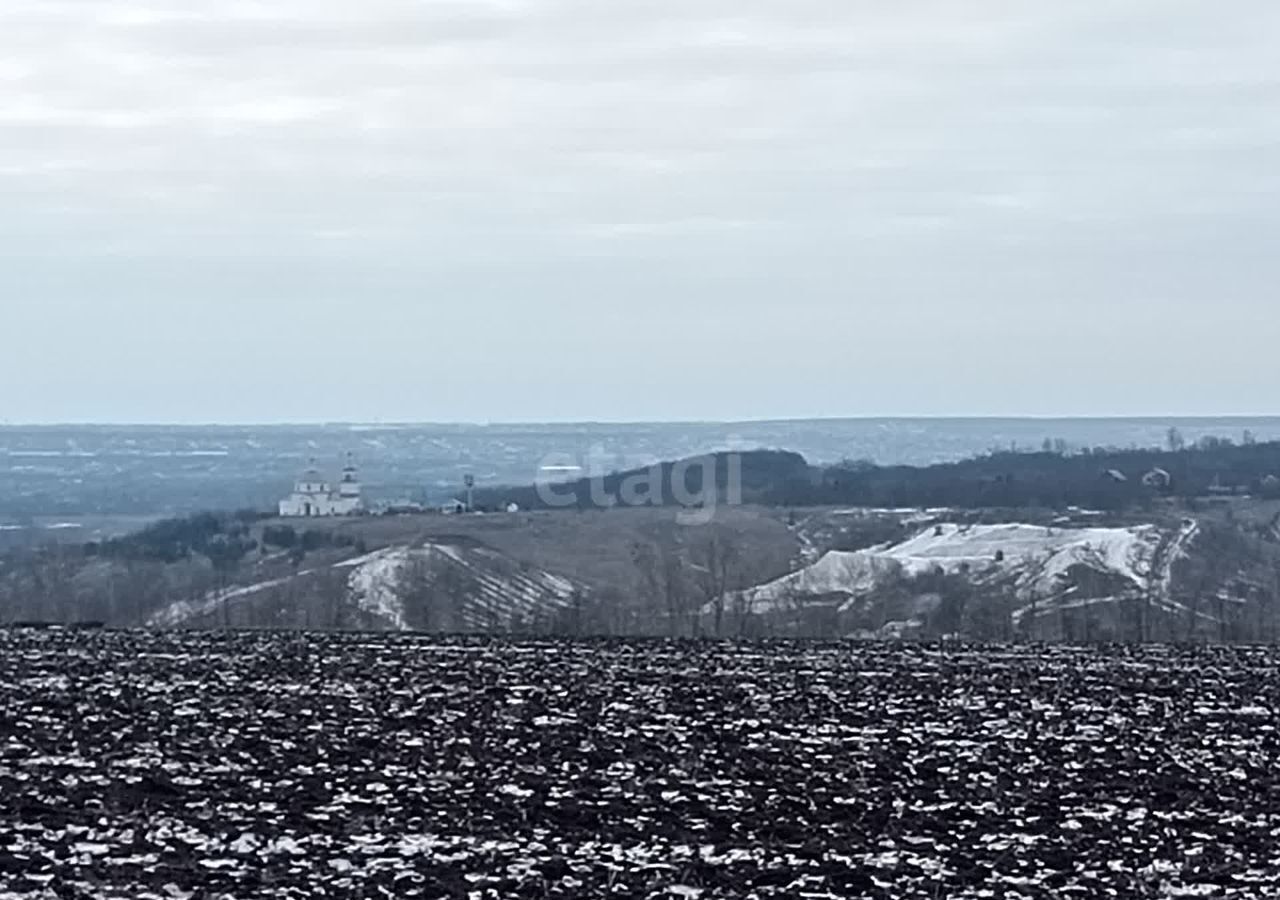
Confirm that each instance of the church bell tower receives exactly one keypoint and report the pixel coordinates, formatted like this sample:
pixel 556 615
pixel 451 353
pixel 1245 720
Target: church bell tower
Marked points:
pixel 349 487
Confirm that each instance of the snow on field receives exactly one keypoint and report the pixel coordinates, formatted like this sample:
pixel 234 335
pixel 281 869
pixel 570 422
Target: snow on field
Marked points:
pixel 341 765
pixel 1036 558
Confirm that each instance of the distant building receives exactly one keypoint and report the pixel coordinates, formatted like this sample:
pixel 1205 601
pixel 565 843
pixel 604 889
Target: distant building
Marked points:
pixel 402 508
pixel 314 497
pixel 1217 487
pixel 454 508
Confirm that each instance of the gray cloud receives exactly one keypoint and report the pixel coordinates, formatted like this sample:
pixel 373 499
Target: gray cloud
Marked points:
pixel 568 208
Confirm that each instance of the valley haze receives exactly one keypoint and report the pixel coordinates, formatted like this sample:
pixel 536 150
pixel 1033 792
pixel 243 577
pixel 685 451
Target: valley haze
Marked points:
pixel 130 470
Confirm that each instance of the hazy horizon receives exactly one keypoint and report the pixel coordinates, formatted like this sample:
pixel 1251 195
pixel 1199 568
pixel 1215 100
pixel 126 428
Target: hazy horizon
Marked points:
pixel 1147 418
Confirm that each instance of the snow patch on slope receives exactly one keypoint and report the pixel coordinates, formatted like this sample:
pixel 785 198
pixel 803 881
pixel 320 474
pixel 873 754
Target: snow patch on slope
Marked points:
pixel 181 611
pixel 374 584
pixel 1035 558
pixel 496 587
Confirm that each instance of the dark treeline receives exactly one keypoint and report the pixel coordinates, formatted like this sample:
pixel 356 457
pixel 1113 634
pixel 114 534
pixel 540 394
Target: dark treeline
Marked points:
pixel 757 476
pixel 1102 479
pixel 222 538
pixel 1052 478
pixel 123 580
pixel 1105 479
pixel 211 534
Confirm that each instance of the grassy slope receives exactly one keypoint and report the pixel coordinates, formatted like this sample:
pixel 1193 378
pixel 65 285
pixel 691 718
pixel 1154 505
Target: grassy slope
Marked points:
pixel 596 547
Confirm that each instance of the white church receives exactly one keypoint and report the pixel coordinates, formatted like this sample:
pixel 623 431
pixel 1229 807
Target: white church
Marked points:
pixel 313 496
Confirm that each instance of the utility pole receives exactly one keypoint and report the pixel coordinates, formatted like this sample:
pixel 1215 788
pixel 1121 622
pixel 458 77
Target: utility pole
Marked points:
pixel 470 481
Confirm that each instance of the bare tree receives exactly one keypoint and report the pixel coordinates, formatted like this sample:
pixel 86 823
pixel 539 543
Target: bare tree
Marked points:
pixel 331 590
pixel 47 581
pixel 1272 631
pixel 455 595
pixel 124 593
pixel 716 561
pixel 416 590
pixel 743 610
pixel 662 585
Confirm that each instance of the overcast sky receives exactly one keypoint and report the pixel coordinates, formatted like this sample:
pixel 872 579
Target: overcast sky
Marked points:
pixel 606 209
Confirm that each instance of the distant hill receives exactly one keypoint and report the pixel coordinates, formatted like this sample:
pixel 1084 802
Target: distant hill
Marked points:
pixel 1099 479
pixel 71 471
pixel 749 477
pixel 451 585
pixel 1106 544
pixel 998 581
pixel 1103 479
pixel 749 571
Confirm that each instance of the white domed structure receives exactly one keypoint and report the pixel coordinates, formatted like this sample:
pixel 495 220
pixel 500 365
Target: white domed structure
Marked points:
pixel 314 497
